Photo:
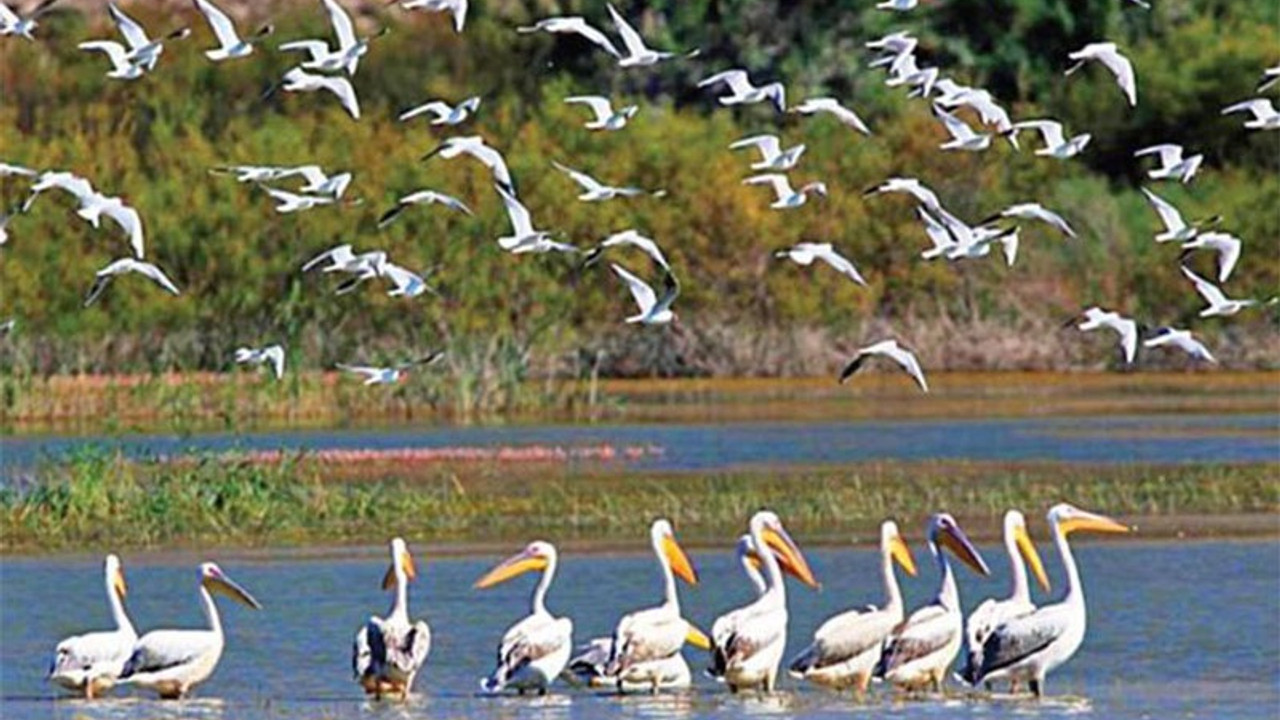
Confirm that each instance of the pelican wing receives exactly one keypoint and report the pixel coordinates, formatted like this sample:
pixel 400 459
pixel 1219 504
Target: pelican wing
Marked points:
pixel 162 650
pixel 844 637
pixel 755 629
pixel 1022 637
pixel 652 634
pixel 927 631
pixel 529 640
pixel 91 655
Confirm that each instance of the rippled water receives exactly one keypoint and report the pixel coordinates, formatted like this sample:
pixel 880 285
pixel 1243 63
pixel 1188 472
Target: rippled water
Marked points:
pixel 1176 631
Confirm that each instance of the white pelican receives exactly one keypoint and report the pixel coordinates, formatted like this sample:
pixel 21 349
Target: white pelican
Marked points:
pixel 634 239
pixel 11 23
pixel 272 355
pixel 786 197
pixel 594 190
pixel 388 375
pixel 1176 228
pixel 912 187
pixel 1219 304
pixel 743 92
pixel 962 136
pixel 892 350
pixel 833 107
pixel 1264 113
pixel 1055 143
pixel 805 253
pixel 171 662
pixel 299 80
pixel 1034 211
pixel 573 25
pixel 646 643
pixel 230 45
pixel 772 156
pixel 726 625
pixel 535 650
pixel 475 146
pixel 89 664
pixel 524 238
pixel 847 647
pixel 388 652
pixel 653 310
pixel 1029 647
pixel 1172 164
pixel 992 613
pixel 1096 317
pixel 1227 247
pixel 749 656
pixel 445 114
pixel 921 649
pixel 1182 340
pixel 104 277
pixel 1270 77
pixel 458 8
pixel 1119 65
pixel 606 117
pixel 422 197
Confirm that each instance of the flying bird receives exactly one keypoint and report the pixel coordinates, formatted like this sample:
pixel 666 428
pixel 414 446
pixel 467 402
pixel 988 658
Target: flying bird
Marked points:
pixel 392 374
pixel 833 107
pixel 1227 247
pixel 345 55
pixel 1119 65
pixel 122 68
pixel 97 205
pixel 653 310
pixel 892 350
pixel 1055 144
pixel 594 190
pixel 119 267
pixel 1182 340
pixel 1270 77
pixel 786 197
pixel 1034 211
pixel 1219 304
pixel 1264 113
pixel 772 156
pixel 445 114
pixel 573 25
pixel 1176 229
pixel 524 238
pixel 475 146
pixel 743 92
pixel 457 7
pixel 7 170
pixel 320 183
pixel 897 5
pixel 76 186
pixel 1126 328
pixel 638 54
pixel 606 117
pixel 11 23
pixel 962 136
pixel 230 45
pixel 1172 164
pixel 288 202
pixel 910 186
pixel 299 80
pixel 805 253
pixel 422 197
pixel 252 173
pixel 272 355
pixel 632 238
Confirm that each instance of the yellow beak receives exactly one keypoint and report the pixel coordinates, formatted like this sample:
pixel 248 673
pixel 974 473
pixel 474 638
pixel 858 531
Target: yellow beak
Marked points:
pixel 697 638
pixel 1028 551
pixel 957 543
pixel 226 586
pixel 678 560
pixel 514 566
pixel 899 551
pixel 1092 522
pixel 406 564
pixel 789 556
pixel 118 583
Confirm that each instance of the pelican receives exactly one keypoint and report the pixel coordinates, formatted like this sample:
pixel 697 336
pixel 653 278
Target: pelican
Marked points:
pixel 910 186
pixel 1176 228
pixel 991 613
pixel 89 664
pixel 1096 317
pixel 1029 647
pixel 388 652
pixel 638 55
pixel 1264 113
pixel 594 190
pixel 299 80
pixel 892 350
pixel 272 355
pixel 1055 143
pixel 458 8
pixel 1172 164
pixel 1119 65
pixel 229 43
pixel 422 197
pixel 475 146
pixel 1219 304
pixel 772 156
pixel 171 662
pixel 749 656
pixel 445 114
pixel 1227 247
pixel 743 92
pixel 833 107
pixel 524 238
pixel 653 310
pixel 11 23
pixel 388 376
pixel 573 25
pixel 605 116
pixel 962 136
pixel 646 643
pixel 805 253
pixel 787 198
pixel 1034 211
pixel 633 238
pixel 847 647
pixel 921 649
pixel 1182 340
pixel 535 650
pixel 104 277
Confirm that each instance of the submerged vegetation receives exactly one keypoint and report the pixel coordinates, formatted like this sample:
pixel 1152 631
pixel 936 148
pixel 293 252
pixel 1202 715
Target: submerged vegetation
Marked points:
pixel 102 501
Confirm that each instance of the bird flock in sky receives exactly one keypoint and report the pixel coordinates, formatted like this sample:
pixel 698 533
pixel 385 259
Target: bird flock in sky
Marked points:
pixel 330 65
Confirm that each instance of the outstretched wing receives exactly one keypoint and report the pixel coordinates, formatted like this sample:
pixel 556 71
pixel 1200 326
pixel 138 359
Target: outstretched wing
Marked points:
pixel 644 296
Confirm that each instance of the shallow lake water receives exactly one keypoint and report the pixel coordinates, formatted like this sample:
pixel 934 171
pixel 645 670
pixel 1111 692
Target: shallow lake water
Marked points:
pixel 1176 631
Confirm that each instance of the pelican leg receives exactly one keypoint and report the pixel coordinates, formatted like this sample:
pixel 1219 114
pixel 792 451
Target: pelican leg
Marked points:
pixel 1036 685
pixel 861 681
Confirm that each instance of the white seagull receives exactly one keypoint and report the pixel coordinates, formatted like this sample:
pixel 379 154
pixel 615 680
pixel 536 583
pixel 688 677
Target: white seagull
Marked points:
pixel 1219 304
pixel 89 664
pixel 1270 77
pixel 524 237
pixel 594 190
pixel 573 25
pixel 633 238
pixel 1176 229
pixel 897 5
pixel 1096 317
pixel 388 375
pixel 104 277
pixel 1172 164
pixel 445 114
pixel 342 259
pixel 475 146
pixel 7 169
pixel 289 202
pixel 805 253
pixel 422 197
pixel 606 118
pixel 12 23
pixel 299 80
pixel 271 354
pixel 230 45
pixel 142 50
pixel 121 66
pixel 938 234
pixel 773 157
pixel 1182 340
pixel 253 173
pixel 743 92
pixel 1227 247
pixel 457 7
pixel 962 136
pixel 346 55
pixel 894 43
pixel 78 187
pixel 892 350
pixel 1034 211
pixel 982 102
pixel 97 205
pixel 910 186
pixel 832 106
pixel 1055 143
pixel 1119 65
pixel 1265 116
pixel 653 310
pixel 320 183
pixel 786 197
pixel 638 55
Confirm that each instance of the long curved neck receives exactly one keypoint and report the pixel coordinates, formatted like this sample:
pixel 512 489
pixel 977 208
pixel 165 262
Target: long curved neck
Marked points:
pixel 118 614
pixel 948 595
pixel 538 603
pixel 668 577
pixel 210 610
pixel 1018 587
pixel 776 592
pixel 400 606
pixel 893 594
pixel 1075 593
pixel 757 580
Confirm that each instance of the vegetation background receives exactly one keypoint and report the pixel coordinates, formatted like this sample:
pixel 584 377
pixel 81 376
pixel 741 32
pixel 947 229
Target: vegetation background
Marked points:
pixel 152 141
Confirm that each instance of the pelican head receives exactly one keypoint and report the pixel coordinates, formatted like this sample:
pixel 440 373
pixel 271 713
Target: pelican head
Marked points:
pixel 945 531
pixel 747 551
pixel 664 542
pixel 1015 526
pixel 116 573
pixel 401 562
pixel 1069 518
pixel 892 543
pixel 214 580
pixel 767 525
pixel 536 556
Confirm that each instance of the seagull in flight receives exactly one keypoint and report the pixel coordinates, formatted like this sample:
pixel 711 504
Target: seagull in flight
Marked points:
pixel 1270 77
pixel 272 354
pixel 638 54
pixel 122 68
pixel 11 23
pixel 524 238
pixel 389 375
pixel 912 187
pixel 457 7
pixel 786 197
pixel 833 107
pixel 422 197
pixel 897 5
pixel 573 25
pixel 288 202
pixel 1227 247
pixel 962 136
pixel 445 114
pixel 71 183
pixel 119 267
pixel 1219 304
pixel 253 173
pixel 346 55
pixel 299 80
pixel 7 169
pixel 806 252
pixel 632 238
pixel 1182 340
pixel 982 102
pixel 1034 211
pixel 1119 65
pixel 1264 113
pixel 318 182
pixel 1176 229
pixel 1096 317
pixel 230 45
pixel 892 350
pixel 1055 144
pixel 1172 164
pixel 97 205
pixel 605 117
pixel 594 190
pixel 773 157
pixel 341 258
pixel 743 92
pixel 653 310
pixel 475 146
pixel 943 243
pixel 142 51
